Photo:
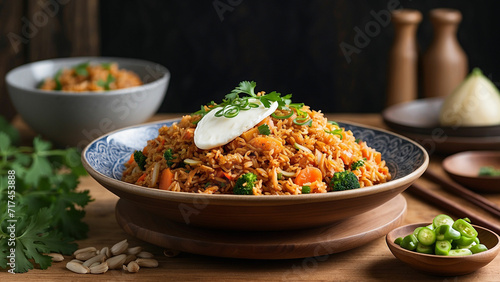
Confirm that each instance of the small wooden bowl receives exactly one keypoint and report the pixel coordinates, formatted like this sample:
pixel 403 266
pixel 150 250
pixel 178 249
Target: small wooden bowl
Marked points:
pixel 464 168
pixel 444 265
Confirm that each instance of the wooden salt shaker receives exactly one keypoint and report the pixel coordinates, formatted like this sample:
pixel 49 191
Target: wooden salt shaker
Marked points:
pixel 444 64
pixel 403 57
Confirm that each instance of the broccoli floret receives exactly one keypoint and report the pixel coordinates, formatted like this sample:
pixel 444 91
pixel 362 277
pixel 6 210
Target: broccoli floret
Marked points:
pixel 168 155
pixel 140 159
pixel 244 185
pixel 357 164
pixel 344 180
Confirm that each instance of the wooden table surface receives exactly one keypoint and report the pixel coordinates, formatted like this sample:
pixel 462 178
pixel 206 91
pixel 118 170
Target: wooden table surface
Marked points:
pixel 371 262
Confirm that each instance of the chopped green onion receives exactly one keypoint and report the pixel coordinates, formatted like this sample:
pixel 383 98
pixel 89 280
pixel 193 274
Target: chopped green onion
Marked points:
pixel 308 122
pixel 337 132
pixel 274 115
pixel 306 189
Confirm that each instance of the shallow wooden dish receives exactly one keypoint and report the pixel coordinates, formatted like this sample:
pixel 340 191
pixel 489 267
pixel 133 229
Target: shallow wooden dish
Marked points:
pixel 444 265
pixel 105 156
pixel 464 168
pixel 288 244
pixel 419 120
pixel 422 117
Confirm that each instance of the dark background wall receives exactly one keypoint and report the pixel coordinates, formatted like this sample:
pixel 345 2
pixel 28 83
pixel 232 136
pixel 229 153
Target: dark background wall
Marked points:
pixel 291 46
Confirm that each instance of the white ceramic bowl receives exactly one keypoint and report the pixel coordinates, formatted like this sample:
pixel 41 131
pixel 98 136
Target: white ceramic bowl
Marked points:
pixel 75 119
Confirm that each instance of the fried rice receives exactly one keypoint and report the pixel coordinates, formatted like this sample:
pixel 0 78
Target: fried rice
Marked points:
pixel 87 77
pixel 278 159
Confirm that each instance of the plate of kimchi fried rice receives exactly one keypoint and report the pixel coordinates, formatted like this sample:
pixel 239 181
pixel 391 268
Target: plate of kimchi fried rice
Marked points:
pixel 255 161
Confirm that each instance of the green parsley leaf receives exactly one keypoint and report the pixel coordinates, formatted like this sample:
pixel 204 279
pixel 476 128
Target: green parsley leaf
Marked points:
pixel 264 129
pixel 48 210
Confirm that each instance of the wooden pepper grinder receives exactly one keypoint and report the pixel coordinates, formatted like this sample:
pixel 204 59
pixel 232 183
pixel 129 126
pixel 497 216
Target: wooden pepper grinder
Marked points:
pixel 444 65
pixel 403 57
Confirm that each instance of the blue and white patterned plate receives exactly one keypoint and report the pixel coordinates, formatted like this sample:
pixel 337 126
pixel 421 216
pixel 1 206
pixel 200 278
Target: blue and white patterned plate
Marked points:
pixel 107 154
pixel 104 158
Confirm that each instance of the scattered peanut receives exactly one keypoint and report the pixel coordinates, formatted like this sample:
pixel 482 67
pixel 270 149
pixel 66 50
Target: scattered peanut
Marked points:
pixel 119 256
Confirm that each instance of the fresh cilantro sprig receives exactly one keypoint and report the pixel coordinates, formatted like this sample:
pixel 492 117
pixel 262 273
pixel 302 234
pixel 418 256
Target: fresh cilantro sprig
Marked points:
pixel 81 69
pixel 232 104
pixel 45 205
pixel 106 84
pixel 264 129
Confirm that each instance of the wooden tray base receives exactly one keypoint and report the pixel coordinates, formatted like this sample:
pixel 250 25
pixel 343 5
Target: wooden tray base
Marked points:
pixel 338 237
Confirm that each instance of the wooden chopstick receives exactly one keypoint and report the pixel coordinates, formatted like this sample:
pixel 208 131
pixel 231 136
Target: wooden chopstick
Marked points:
pixel 463 192
pixel 452 207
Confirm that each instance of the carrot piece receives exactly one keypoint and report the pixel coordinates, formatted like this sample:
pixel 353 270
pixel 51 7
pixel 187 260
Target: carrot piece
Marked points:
pixel 143 176
pixel 227 175
pixel 266 143
pixel 308 175
pixel 267 121
pixel 188 134
pixel 166 179
pixel 131 160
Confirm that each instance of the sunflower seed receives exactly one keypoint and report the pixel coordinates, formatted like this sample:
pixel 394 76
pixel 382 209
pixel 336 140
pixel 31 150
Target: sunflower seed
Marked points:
pixel 77 267
pixel 106 251
pixel 99 258
pixel 119 247
pixel 116 262
pixel 129 259
pixel 147 262
pixel 84 250
pixel 134 250
pixel 56 257
pixel 145 255
pixel 100 268
pixel 85 255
